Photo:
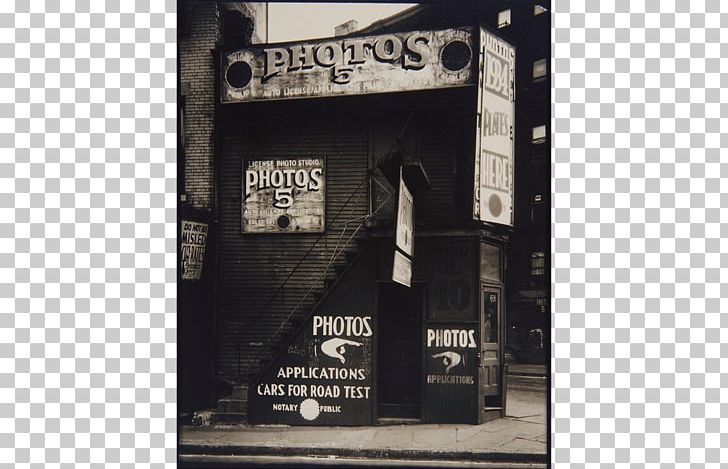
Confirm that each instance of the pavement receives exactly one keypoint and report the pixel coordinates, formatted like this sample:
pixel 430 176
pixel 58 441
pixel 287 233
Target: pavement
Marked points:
pixel 518 440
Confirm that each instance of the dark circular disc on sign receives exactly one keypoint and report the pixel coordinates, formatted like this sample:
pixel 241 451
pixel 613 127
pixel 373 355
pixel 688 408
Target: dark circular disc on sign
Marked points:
pixel 495 205
pixel 239 74
pixel 455 56
pixel 283 222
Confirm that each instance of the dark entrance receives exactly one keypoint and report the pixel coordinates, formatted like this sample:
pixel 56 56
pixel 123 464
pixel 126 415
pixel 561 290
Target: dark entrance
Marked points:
pixel 399 350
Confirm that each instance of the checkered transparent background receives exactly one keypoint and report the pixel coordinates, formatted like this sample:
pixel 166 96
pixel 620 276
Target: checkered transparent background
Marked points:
pixel 87 204
pixel 87 233
pixel 639 357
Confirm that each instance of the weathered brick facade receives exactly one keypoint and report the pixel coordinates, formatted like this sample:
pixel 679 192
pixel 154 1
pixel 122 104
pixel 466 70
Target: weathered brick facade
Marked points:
pixel 198 35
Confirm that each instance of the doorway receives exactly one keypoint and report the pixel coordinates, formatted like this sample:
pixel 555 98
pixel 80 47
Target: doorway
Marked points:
pixel 399 378
pixel 491 352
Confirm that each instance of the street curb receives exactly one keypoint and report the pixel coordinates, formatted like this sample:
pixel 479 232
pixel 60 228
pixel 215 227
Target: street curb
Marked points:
pixel 374 453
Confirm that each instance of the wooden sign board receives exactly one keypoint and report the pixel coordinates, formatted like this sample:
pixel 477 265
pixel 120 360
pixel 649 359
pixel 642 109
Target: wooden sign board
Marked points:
pixel 416 60
pixel 493 191
pixel 324 377
pixel 284 195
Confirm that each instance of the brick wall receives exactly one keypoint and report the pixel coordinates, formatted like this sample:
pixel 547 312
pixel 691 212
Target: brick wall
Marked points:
pixel 198 34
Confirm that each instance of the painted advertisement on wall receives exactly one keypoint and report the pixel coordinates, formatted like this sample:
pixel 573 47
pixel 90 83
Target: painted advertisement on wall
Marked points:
pixel 401 61
pixel 193 241
pixel 494 140
pixel 325 377
pixel 284 195
pixel 450 372
pixel 448 266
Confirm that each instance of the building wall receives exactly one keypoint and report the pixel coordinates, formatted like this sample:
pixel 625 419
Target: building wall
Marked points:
pixel 254 266
pixel 199 32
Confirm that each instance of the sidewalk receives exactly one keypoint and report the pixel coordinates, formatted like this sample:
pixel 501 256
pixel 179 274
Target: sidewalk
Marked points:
pixel 518 440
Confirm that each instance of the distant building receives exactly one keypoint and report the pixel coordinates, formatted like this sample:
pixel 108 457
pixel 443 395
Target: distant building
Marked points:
pixel 346 28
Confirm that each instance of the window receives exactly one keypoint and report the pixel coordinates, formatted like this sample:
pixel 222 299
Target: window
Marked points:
pixel 538 134
pixel 538 9
pixel 504 18
pixel 537 264
pixel 539 68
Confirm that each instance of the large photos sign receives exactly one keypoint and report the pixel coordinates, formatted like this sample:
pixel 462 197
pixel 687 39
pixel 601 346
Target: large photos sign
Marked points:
pixel 283 195
pixel 415 60
pixel 493 194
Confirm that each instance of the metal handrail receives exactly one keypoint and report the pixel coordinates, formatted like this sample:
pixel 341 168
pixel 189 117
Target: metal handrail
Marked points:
pixel 335 256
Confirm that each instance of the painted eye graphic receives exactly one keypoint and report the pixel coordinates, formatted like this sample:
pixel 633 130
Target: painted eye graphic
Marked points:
pixel 335 348
pixel 449 359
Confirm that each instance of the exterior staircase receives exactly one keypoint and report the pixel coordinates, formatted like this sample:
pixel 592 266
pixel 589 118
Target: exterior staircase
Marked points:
pixel 341 257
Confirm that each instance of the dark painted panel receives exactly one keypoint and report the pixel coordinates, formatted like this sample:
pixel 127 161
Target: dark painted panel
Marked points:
pixel 451 373
pixel 448 265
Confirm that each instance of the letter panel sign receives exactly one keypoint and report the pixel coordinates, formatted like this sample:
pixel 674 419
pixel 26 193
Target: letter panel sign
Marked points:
pixel 493 191
pixel 415 60
pixel 284 195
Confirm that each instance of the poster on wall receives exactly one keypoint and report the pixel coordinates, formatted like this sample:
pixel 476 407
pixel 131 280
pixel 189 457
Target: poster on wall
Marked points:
pixel 193 240
pixel 284 195
pixel 324 377
pixel 494 140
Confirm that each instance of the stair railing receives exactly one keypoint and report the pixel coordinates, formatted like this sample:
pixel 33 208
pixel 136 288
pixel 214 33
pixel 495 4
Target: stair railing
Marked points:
pixel 342 243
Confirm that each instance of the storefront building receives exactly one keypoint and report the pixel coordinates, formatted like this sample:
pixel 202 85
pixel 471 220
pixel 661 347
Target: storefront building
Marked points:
pixel 363 210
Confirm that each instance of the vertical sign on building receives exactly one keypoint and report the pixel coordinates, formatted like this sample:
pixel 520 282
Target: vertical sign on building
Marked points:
pixel 404 236
pixel 493 188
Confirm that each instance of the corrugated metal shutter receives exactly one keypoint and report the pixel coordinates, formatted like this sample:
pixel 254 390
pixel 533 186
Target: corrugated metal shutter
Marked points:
pixel 438 151
pixel 253 266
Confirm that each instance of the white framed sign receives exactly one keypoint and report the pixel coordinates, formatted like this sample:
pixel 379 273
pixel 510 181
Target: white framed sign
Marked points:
pixel 493 185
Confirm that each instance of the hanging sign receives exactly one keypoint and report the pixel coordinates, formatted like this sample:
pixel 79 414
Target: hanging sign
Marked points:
pixel 283 195
pixel 402 269
pixel 193 242
pixel 406 61
pixel 493 188
pixel 404 236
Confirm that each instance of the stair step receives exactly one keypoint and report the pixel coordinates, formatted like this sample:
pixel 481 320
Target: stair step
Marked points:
pixel 240 392
pixel 229 418
pixel 236 406
pixel 209 418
